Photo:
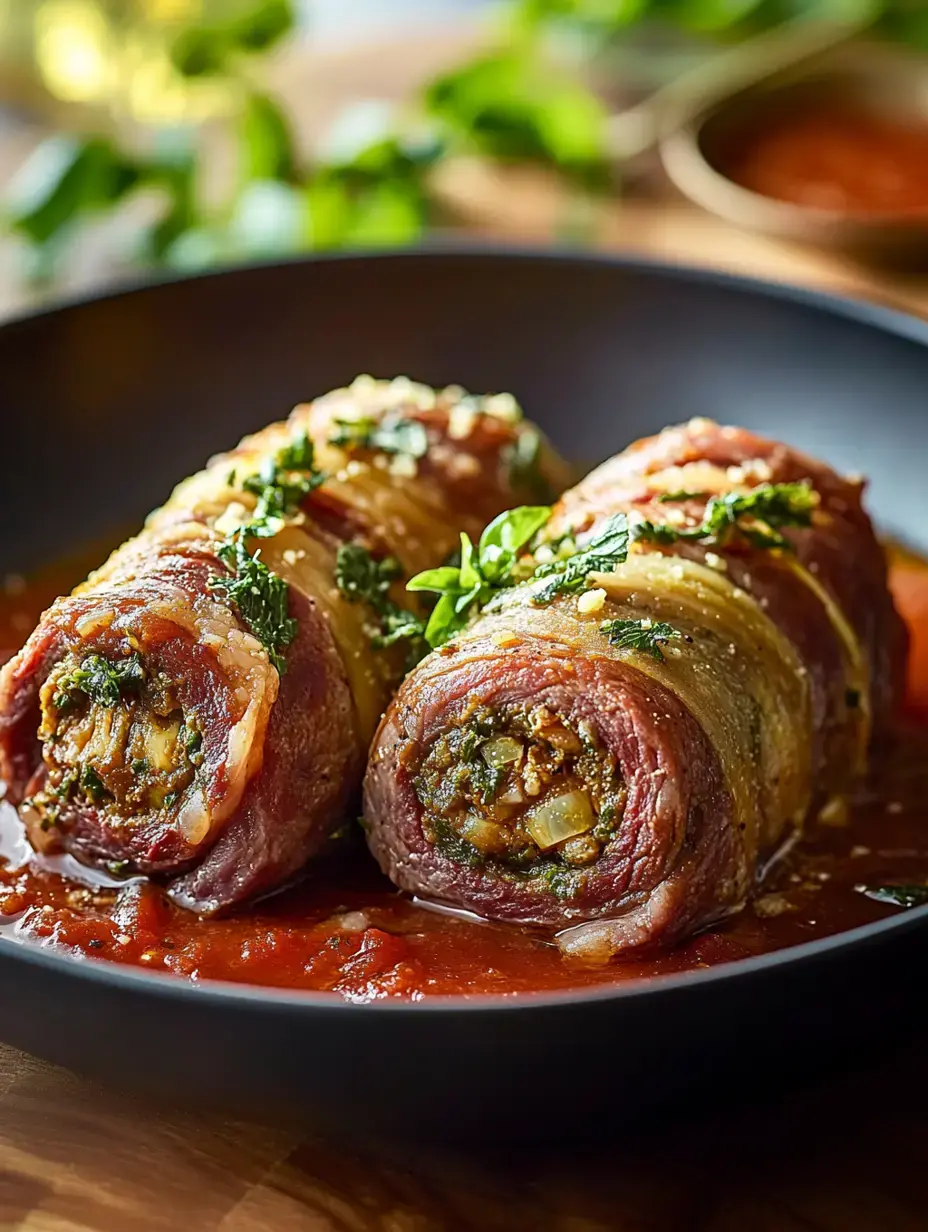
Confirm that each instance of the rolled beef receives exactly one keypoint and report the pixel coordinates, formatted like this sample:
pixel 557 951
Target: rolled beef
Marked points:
pixel 200 709
pixel 621 762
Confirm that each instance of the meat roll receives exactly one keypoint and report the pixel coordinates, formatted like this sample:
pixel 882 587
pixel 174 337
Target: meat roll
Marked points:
pixel 201 707
pixel 698 652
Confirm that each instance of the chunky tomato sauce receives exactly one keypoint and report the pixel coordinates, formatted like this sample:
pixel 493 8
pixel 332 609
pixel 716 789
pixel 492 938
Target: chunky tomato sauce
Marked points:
pixel 346 931
pixel 833 157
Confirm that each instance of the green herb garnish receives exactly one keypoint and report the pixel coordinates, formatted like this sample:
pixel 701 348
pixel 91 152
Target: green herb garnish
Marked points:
pixel 603 554
pixel 362 579
pixel 897 895
pixel 484 571
pixel 670 498
pixel 281 484
pixel 138 765
pixel 758 517
pixel 388 435
pixel 647 636
pixel 258 594
pixel 91 783
pixel 102 680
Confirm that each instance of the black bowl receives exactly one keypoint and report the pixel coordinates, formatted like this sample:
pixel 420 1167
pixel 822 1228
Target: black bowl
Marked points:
pixel 107 403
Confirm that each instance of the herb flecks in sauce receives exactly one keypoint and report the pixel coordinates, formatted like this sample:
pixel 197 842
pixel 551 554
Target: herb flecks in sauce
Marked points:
pixel 899 895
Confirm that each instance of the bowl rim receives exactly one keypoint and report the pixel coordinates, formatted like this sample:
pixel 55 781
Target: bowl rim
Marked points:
pixel 702 182
pixel 248 997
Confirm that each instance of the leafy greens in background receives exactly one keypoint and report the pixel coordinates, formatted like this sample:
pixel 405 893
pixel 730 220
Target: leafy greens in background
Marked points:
pixel 370 184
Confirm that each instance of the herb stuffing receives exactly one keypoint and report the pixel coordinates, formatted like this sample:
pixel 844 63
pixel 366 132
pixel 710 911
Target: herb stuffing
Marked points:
pixel 102 680
pixel 484 571
pixel 645 635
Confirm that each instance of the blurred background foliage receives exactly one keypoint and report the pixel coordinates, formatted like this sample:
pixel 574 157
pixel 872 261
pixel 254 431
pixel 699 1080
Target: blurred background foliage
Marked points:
pixel 164 68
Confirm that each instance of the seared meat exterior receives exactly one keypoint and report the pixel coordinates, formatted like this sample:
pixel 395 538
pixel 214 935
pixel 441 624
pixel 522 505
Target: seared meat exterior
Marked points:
pixel 620 758
pixel 201 707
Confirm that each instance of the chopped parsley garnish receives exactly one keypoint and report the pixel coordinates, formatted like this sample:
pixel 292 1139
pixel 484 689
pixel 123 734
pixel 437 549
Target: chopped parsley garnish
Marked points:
pixel 388 435
pixel 102 680
pixel 897 895
pixel 281 484
pixel 603 554
pixel 648 636
pixel 484 571
pixel 138 765
pixel 362 579
pixel 258 594
pixel 758 517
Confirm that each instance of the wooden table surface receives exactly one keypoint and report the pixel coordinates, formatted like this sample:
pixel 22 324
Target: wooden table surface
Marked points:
pixel 847 1154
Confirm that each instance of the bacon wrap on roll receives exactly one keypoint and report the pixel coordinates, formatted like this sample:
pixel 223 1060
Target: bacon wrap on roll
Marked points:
pixel 152 722
pixel 629 794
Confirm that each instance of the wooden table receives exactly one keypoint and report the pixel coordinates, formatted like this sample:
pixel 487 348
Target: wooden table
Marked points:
pixel 844 1155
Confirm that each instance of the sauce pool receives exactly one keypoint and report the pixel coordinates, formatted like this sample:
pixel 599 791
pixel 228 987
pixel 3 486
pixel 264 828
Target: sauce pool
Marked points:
pixel 346 931
pixel 834 157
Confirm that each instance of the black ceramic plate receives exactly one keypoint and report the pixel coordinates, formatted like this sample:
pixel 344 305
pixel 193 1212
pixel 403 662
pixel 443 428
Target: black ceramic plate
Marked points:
pixel 106 404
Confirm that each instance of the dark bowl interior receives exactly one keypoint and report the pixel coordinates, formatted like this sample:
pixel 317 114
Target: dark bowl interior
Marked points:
pixel 107 404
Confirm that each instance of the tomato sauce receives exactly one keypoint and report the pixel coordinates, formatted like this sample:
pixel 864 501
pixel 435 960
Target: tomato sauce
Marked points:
pixel 834 157
pixel 346 931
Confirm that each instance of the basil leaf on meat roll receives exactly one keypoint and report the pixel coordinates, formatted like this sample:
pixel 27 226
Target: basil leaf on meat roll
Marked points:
pixel 697 651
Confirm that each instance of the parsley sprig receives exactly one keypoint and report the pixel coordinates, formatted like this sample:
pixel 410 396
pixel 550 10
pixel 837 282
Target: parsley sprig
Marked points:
pixel 645 635
pixel 259 595
pixel 388 435
pixel 281 484
pixel 603 554
pixel 102 680
pixel 484 570
pixel 362 579
pixel 758 517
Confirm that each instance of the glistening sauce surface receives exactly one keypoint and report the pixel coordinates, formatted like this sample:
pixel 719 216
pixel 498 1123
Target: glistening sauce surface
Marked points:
pixel 346 931
pixel 834 157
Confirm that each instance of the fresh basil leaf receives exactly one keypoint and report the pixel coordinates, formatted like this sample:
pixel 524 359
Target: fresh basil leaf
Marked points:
pixel 512 530
pixel 442 579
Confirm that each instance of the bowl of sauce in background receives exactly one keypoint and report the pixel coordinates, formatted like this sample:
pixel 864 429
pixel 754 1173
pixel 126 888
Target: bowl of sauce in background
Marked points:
pixel 833 153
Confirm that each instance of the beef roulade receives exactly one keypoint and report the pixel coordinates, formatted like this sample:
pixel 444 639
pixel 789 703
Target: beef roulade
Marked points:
pixel 201 707
pixel 697 651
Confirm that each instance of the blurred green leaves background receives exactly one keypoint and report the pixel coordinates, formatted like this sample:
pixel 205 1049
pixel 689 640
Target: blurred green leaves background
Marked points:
pixel 527 99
